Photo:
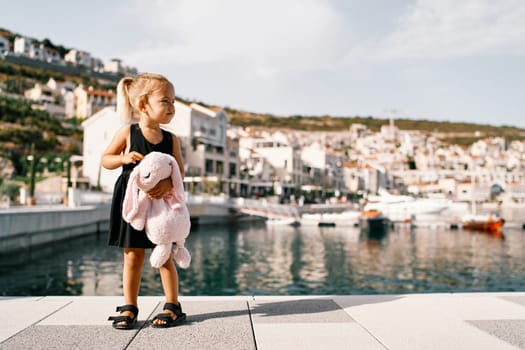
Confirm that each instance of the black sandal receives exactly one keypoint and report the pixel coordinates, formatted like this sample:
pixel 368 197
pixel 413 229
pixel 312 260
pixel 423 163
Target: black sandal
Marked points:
pixel 129 321
pixel 170 322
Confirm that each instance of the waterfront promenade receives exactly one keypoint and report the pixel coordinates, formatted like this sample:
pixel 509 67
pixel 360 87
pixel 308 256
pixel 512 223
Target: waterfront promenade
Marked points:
pixel 414 321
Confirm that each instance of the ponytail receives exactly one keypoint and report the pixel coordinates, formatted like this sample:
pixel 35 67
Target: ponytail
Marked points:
pixel 123 103
pixel 131 90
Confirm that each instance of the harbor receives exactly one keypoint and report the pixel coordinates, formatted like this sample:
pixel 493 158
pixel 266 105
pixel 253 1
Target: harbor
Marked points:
pixel 26 227
pixel 256 258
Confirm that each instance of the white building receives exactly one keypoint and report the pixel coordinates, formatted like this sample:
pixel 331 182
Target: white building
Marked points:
pixel 78 58
pixel 97 65
pixel 314 156
pixel 51 55
pixel 270 161
pixel 99 130
pixel 41 94
pixel 48 97
pixel 28 47
pixel 88 101
pixel 202 134
pixel 22 46
pixel 113 66
pixel 61 86
pixel 354 179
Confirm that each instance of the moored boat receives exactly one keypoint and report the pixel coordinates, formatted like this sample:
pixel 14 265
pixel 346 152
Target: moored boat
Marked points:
pixel 404 208
pixel 276 221
pixel 345 218
pixel 488 223
pixel 373 222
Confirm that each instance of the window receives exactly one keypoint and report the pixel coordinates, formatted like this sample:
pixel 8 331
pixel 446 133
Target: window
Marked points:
pixel 220 167
pixel 209 166
pixel 232 169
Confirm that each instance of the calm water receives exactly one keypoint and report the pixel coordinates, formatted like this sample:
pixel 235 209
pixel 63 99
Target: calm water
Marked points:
pixel 253 259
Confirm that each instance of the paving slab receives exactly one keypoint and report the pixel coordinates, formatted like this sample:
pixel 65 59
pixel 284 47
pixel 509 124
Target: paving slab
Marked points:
pixel 94 311
pixel 514 299
pixel 18 314
pixel 69 337
pixel 511 331
pixel 483 307
pixel 79 323
pixel 305 336
pixel 218 323
pixel 308 310
pixel 306 323
pixel 421 322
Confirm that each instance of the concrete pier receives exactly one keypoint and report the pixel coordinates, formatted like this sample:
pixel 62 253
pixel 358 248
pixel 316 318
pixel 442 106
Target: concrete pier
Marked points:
pixel 416 321
pixel 28 227
pixel 23 228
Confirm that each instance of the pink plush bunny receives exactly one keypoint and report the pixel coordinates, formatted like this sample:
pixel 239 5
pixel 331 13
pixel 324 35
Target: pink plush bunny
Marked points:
pixel 166 220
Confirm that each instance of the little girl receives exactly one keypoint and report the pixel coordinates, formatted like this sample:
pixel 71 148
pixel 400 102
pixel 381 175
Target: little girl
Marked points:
pixel 148 98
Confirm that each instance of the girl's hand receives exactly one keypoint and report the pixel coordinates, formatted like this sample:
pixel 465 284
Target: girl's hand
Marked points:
pixel 161 189
pixel 131 157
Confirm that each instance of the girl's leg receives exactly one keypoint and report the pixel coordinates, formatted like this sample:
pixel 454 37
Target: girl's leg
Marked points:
pixel 133 260
pixel 170 284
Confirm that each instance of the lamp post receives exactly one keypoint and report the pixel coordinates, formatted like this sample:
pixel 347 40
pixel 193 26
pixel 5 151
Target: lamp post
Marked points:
pixel 32 169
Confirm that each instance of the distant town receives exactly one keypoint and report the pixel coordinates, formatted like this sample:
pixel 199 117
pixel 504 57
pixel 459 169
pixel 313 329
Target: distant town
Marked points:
pixel 287 165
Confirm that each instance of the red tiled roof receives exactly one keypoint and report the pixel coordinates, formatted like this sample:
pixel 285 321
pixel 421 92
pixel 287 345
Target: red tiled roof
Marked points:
pixel 100 93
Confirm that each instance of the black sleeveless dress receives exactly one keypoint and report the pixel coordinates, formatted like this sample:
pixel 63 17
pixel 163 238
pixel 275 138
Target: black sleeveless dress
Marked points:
pixel 121 233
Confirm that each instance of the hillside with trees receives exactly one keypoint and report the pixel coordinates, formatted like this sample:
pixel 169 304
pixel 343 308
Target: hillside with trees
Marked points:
pixel 32 142
pixel 450 132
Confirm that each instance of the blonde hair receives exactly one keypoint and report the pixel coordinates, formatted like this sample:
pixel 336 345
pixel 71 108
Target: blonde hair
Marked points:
pixel 131 91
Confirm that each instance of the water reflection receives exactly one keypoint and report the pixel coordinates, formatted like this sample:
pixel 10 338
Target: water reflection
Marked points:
pixel 255 259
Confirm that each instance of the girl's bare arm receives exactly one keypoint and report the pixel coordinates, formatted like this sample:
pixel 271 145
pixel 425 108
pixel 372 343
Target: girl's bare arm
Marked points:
pixel 113 156
pixel 178 155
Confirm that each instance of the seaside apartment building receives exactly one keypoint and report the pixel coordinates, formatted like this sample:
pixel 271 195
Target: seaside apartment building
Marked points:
pixel 212 161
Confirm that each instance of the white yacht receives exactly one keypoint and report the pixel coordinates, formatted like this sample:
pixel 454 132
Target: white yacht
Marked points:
pixel 345 218
pixel 405 208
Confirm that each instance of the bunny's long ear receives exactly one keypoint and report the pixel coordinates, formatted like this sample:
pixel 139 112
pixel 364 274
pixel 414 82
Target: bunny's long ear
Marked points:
pixel 130 204
pixel 177 193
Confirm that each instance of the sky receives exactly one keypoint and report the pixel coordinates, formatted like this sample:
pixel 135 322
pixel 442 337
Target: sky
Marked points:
pixel 442 60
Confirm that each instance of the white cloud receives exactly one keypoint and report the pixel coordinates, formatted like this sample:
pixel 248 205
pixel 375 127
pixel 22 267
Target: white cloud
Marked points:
pixel 436 29
pixel 268 37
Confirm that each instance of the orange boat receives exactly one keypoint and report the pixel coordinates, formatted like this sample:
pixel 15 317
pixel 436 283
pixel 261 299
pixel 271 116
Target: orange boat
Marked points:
pixel 487 223
pixel 371 214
